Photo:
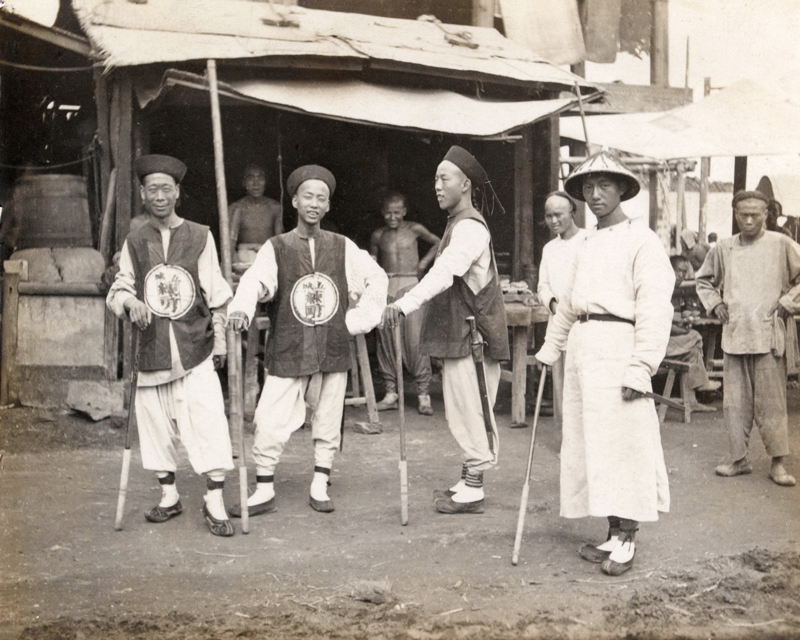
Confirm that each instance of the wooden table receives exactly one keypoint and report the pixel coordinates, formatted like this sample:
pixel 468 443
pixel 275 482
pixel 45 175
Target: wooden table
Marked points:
pixel 521 318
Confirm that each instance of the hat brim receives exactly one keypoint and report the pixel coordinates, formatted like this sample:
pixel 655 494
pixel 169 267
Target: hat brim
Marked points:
pixel 574 185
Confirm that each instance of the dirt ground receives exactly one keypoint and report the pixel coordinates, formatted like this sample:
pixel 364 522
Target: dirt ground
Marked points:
pixel 724 563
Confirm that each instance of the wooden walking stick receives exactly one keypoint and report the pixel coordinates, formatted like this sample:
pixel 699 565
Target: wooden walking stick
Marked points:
pixel 523 503
pixel 126 456
pixel 398 347
pixel 236 395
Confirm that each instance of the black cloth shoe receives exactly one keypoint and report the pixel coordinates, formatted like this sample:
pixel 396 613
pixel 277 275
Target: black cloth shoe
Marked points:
pixel 612 568
pixel 222 528
pixel 235 511
pixel 447 505
pixel 323 506
pixel 162 514
pixel 442 494
pixel 591 553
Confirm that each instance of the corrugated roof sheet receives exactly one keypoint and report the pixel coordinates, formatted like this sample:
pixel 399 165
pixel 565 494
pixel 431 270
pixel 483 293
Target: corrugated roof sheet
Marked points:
pixel 127 34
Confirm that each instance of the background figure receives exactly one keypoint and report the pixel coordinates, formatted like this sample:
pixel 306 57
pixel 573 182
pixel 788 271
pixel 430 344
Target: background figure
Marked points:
pixel 395 248
pixel 685 344
pixel 693 248
pixel 254 218
pixel 556 271
pixel 749 282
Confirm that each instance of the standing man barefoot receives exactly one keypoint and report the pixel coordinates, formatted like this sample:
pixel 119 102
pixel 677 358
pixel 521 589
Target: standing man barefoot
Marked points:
pixel 395 248
pixel 463 282
pixel 750 282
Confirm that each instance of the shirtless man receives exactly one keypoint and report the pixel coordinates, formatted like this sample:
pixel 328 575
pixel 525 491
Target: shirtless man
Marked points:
pixel 255 218
pixel 394 246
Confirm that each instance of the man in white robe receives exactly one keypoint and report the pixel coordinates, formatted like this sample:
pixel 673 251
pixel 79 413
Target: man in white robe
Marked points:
pixel 556 271
pixel 614 324
pixel 749 282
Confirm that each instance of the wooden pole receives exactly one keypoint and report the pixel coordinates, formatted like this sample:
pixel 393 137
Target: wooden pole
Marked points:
pixel 219 169
pixel 705 171
pixel 680 222
pixel 659 44
pixel 739 184
pixel 653 191
pixel 483 13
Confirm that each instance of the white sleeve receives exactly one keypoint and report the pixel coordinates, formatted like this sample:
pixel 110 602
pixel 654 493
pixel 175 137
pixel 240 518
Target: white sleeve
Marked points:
pixel 124 285
pixel 259 281
pixel 467 244
pixel 367 283
pixel 546 295
pixel 216 291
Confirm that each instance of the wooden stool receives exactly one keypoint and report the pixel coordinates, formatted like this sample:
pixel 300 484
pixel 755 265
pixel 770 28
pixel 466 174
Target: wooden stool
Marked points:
pixel 359 364
pixel 259 324
pixel 675 367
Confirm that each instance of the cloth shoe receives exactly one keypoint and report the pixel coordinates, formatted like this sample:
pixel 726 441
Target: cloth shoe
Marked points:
pixel 620 560
pixel 389 402
pixel 222 528
pixel 731 469
pixel 599 553
pixel 162 514
pixel 424 407
pixel 448 505
pixel 269 506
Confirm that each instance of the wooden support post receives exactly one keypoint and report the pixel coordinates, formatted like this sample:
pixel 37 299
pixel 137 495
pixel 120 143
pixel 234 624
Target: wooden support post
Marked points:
pixel 653 190
pixel 219 170
pixel 15 271
pixel 120 129
pixel 483 13
pixel 103 137
pixel 659 44
pixel 523 205
pixel 739 184
pixel 705 171
pixel 680 221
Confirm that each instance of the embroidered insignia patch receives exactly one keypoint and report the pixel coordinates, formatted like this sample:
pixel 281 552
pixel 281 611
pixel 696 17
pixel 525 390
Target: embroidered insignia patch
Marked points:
pixel 169 291
pixel 315 299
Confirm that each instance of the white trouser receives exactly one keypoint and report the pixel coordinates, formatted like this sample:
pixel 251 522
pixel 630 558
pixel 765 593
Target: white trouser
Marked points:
pixel 191 409
pixel 282 410
pixel 462 408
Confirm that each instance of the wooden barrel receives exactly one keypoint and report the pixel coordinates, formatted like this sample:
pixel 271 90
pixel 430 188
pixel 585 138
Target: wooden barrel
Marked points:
pixel 53 211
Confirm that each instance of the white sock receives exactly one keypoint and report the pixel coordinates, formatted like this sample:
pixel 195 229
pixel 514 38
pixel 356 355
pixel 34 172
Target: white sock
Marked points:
pixel 265 491
pixel 215 504
pixel 610 545
pixel 624 552
pixel 169 493
pixel 319 487
pixel 468 494
pixel 458 486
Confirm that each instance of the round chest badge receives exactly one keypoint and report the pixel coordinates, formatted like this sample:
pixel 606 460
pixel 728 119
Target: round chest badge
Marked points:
pixel 315 299
pixel 169 291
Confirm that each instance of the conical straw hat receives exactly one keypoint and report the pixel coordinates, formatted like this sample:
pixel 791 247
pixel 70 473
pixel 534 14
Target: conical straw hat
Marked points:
pixel 602 162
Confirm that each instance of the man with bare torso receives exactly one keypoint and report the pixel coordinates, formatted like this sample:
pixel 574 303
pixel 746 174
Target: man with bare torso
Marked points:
pixel 254 218
pixel 394 246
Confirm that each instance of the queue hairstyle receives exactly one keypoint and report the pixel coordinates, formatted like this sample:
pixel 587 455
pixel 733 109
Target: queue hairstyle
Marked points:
pixel 573 206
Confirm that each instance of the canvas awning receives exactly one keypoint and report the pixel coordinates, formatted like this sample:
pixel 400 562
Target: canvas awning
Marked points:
pixel 744 119
pixel 125 34
pixel 424 110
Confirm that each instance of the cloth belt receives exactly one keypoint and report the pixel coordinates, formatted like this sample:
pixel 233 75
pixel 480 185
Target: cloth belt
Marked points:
pixel 603 317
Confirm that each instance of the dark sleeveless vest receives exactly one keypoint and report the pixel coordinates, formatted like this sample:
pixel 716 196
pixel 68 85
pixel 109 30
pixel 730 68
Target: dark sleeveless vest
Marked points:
pixel 296 349
pixel 445 330
pixel 194 331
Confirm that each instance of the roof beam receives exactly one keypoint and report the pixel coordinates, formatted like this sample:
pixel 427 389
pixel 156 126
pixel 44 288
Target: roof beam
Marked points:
pixel 53 35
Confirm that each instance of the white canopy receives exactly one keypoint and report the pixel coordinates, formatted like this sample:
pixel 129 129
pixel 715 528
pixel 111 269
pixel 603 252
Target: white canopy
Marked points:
pixel 744 119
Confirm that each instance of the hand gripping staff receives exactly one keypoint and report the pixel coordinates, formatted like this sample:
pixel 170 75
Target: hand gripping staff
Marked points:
pixel 236 395
pixel 523 503
pixel 126 456
pixel 477 357
pixel 398 348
